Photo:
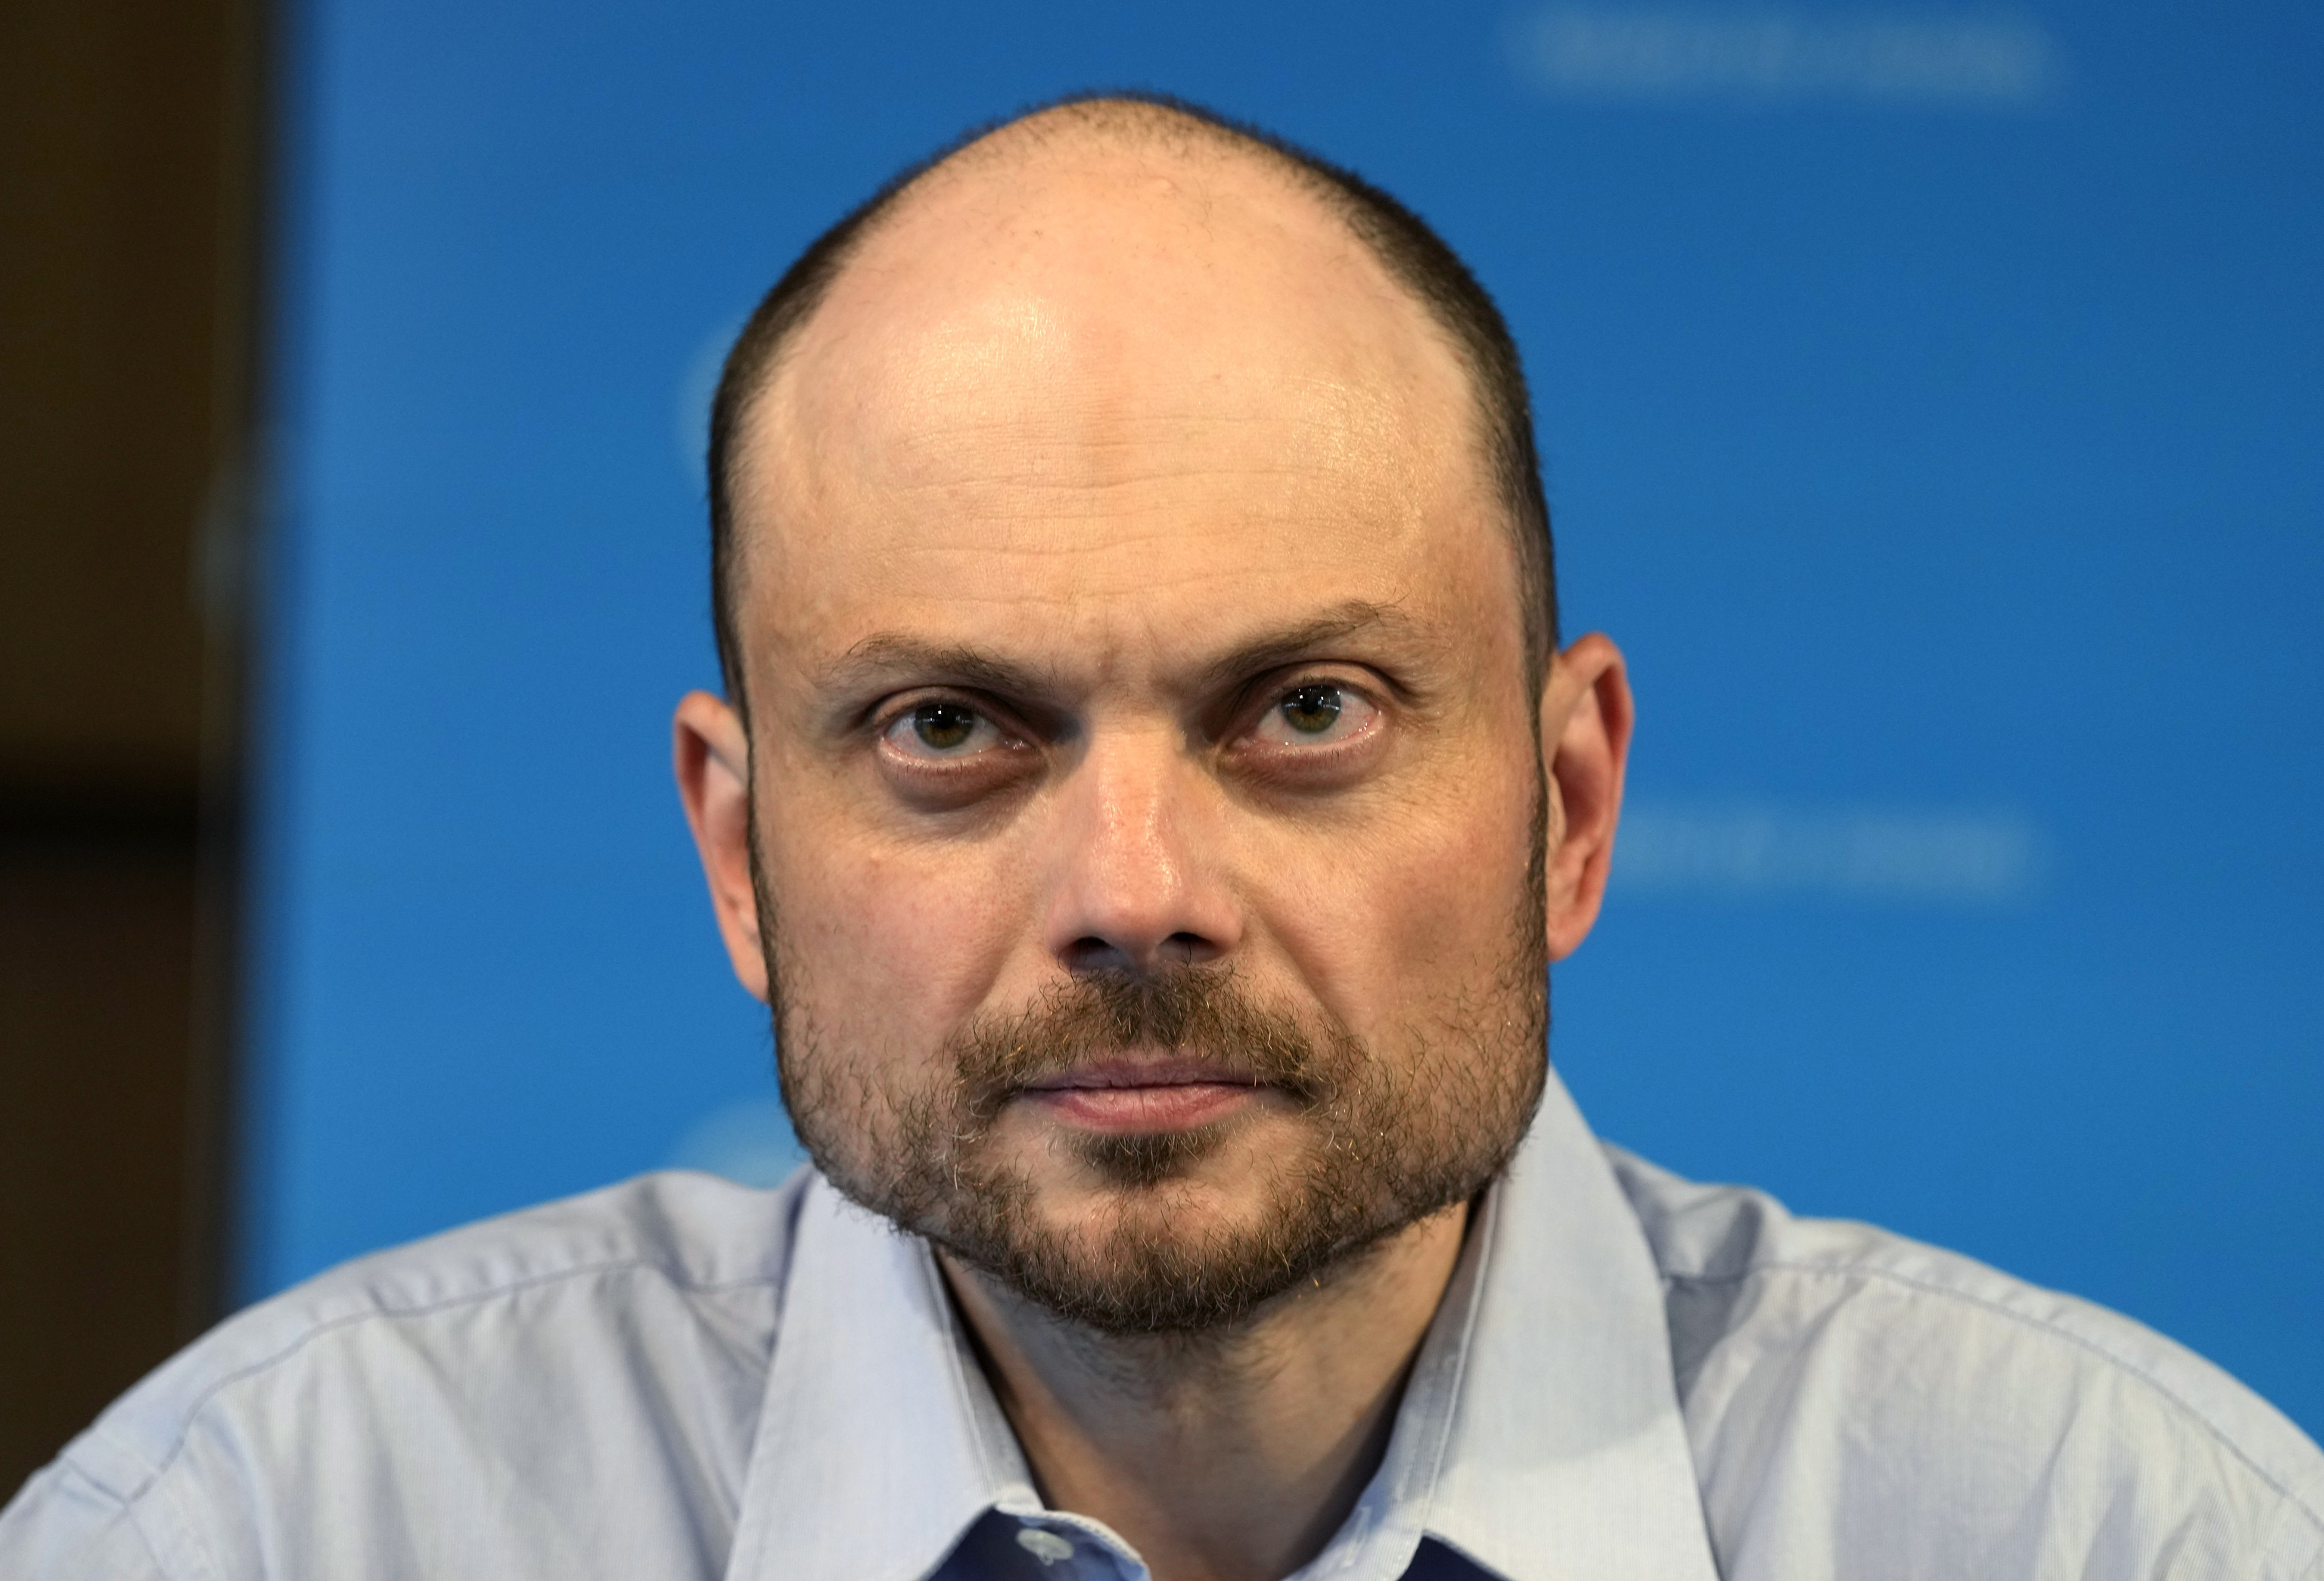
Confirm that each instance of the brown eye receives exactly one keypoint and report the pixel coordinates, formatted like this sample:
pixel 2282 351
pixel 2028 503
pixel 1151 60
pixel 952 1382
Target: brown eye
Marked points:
pixel 943 725
pixel 942 728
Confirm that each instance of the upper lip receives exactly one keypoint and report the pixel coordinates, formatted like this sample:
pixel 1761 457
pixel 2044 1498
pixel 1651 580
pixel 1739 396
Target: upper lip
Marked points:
pixel 1162 1071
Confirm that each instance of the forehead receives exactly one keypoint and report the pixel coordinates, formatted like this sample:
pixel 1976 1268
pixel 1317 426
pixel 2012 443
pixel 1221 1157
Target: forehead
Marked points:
pixel 1128 385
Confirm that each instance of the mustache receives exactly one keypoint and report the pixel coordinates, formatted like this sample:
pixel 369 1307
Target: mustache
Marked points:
pixel 1201 1011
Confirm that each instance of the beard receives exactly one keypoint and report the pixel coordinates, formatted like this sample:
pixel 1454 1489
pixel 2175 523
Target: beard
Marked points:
pixel 1385 1137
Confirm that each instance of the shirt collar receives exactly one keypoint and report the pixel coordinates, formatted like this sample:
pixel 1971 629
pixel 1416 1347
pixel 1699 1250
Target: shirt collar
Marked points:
pixel 879 1441
pixel 1539 1433
pixel 1546 1379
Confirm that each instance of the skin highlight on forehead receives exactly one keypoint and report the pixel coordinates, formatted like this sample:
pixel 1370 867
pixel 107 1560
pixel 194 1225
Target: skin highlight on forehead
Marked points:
pixel 1051 332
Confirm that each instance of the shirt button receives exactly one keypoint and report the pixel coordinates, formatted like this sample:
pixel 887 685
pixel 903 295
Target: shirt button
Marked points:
pixel 1045 1546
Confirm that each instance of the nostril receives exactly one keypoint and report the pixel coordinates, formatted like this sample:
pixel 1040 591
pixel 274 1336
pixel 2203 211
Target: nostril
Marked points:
pixel 1092 953
pixel 1190 948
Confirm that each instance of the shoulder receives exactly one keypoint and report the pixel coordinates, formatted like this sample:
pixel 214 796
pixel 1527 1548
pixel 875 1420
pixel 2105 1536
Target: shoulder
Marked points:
pixel 1850 1392
pixel 505 1341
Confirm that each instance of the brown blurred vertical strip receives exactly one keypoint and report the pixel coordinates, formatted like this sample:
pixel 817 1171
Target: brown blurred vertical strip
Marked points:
pixel 132 144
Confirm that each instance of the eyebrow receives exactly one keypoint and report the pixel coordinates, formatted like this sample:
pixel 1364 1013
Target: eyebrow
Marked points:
pixel 888 654
pixel 1274 649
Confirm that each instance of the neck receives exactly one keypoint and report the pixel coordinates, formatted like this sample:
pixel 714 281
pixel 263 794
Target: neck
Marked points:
pixel 1224 1457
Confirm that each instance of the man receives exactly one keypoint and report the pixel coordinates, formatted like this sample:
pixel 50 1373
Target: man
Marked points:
pixel 1149 792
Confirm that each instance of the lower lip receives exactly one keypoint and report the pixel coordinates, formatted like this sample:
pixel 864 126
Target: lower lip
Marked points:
pixel 1177 1107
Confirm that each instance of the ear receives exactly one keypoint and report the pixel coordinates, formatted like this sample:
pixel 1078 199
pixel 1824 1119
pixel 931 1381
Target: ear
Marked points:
pixel 1585 745
pixel 712 754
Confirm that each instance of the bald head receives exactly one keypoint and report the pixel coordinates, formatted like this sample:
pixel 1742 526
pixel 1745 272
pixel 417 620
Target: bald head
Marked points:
pixel 1081 279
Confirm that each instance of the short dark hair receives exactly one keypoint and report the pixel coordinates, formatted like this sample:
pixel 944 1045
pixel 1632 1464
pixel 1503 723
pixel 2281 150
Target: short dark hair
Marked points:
pixel 1414 255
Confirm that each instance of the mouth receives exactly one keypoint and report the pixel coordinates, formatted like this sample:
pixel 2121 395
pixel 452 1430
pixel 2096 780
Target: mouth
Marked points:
pixel 1132 1095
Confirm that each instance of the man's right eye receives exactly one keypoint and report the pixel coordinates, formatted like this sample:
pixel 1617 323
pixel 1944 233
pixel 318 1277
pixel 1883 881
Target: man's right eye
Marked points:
pixel 941 728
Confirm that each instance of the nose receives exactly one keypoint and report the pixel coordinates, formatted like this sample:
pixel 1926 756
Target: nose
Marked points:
pixel 1139 886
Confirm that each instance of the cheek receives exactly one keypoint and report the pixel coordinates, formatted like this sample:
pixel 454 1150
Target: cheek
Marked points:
pixel 1463 884
pixel 1426 916
pixel 886 947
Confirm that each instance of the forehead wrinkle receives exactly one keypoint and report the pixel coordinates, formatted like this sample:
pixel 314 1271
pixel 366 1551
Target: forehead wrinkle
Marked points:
pixel 1288 439
pixel 1124 505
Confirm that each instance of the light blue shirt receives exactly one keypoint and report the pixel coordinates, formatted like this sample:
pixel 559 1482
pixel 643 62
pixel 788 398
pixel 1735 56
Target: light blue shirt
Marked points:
pixel 1630 1377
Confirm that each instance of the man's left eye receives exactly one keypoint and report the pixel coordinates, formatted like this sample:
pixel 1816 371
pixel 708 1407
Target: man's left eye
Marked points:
pixel 942 728
pixel 1316 715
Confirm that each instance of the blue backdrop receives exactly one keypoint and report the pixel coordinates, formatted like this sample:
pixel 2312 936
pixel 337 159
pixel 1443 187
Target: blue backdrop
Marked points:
pixel 1930 403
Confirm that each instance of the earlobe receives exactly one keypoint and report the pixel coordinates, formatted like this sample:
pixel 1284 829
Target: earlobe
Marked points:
pixel 1585 722
pixel 711 754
